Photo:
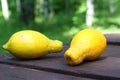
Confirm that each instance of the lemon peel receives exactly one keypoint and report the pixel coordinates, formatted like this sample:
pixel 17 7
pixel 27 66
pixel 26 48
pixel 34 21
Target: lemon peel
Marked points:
pixel 30 44
pixel 87 44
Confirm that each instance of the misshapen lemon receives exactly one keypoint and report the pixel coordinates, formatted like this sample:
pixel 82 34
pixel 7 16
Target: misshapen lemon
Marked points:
pixel 87 44
pixel 29 44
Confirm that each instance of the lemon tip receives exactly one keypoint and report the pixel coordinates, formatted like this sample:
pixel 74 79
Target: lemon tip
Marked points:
pixel 4 46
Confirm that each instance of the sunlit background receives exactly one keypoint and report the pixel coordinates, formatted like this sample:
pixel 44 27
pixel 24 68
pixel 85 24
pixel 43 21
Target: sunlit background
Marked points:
pixel 58 19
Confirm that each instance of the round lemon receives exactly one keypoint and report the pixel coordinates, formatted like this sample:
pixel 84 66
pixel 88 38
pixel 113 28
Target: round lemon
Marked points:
pixel 87 44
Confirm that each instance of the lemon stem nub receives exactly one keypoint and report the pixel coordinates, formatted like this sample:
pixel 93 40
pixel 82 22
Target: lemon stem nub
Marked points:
pixel 4 47
pixel 73 57
pixel 55 46
pixel 69 59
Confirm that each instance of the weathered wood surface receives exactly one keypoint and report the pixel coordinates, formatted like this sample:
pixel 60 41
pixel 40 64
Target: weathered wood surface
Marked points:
pixel 107 67
pixel 10 72
pixel 113 38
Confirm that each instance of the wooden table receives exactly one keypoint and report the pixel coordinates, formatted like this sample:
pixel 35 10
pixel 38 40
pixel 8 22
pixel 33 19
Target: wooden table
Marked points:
pixel 54 66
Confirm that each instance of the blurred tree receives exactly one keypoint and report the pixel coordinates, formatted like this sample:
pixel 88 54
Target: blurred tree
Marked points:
pixel 111 6
pixel 5 10
pixel 18 4
pixel 27 11
pixel 90 12
pixel 51 9
pixel 67 3
pixel 39 7
pixel 45 6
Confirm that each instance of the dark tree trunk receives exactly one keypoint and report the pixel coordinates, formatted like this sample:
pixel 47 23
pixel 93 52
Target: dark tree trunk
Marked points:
pixel 27 11
pixel 67 7
pixel 51 9
pixel 45 6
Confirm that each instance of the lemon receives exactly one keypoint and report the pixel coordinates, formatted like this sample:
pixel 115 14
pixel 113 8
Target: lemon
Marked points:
pixel 87 44
pixel 30 44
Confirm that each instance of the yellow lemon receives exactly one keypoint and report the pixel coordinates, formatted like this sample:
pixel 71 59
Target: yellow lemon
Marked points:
pixel 87 44
pixel 30 44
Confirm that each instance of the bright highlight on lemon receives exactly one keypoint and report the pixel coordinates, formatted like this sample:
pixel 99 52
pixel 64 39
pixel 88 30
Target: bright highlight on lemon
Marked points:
pixel 87 44
pixel 30 44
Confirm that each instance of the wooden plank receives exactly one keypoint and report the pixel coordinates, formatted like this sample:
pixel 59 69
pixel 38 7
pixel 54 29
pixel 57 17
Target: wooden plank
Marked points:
pixel 112 51
pixel 9 72
pixel 113 38
pixel 106 67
